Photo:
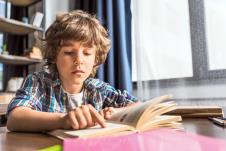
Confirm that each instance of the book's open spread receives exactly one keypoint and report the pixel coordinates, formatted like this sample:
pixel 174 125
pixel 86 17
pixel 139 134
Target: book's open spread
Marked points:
pixel 142 117
pixel 136 115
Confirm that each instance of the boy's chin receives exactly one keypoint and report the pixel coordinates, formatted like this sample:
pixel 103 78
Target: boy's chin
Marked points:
pixel 79 80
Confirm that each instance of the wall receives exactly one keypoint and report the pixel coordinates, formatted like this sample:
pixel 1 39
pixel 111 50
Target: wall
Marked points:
pixel 51 7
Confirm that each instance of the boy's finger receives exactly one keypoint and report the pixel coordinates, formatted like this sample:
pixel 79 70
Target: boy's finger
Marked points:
pixel 108 115
pixel 111 109
pixel 80 118
pixel 73 120
pixel 102 113
pixel 97 117
pixel 106 109
pixel 87 115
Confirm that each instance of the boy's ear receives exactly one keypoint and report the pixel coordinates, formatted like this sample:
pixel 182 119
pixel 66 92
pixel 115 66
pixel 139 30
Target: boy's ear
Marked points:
pixel 96 62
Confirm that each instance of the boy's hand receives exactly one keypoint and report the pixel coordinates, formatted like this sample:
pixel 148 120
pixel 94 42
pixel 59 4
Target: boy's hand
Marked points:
pixel 109 111
pixel 83 117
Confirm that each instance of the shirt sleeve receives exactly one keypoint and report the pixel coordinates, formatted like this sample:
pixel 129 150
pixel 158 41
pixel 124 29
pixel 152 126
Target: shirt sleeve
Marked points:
pixel 116 98
pixel 27 95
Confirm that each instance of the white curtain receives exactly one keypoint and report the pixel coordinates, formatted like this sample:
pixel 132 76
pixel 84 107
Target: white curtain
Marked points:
pixel 161 41
pixel 176 48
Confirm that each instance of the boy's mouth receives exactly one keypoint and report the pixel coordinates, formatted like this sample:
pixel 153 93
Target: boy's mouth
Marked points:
pixel 77 72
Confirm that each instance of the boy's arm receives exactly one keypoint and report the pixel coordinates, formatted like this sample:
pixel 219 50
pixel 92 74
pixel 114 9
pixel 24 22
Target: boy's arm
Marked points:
pixel 28 120
pixel 25 119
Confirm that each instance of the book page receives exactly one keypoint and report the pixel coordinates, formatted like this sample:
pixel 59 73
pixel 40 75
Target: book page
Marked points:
pixel 156 110
pixel 161 121
pixel 110 129
pixel 131 115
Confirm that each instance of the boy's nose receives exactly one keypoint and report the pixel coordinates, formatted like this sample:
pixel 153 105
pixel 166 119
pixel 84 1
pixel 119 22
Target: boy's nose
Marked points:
pixel 78 60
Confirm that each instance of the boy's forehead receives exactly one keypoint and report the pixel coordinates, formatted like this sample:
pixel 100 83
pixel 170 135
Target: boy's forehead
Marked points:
pixel 73 42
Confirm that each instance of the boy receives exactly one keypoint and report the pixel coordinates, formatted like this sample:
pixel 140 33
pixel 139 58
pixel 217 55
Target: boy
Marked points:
pixel 66 96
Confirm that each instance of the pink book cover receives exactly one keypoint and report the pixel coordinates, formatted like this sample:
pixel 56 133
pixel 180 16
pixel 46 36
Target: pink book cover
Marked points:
pixel 154 140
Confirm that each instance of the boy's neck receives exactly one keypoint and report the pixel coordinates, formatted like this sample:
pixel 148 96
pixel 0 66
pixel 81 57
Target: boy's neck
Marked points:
pixel 73 89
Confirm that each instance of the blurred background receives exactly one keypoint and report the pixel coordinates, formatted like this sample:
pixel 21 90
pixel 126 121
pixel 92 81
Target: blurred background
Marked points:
pixel 158 46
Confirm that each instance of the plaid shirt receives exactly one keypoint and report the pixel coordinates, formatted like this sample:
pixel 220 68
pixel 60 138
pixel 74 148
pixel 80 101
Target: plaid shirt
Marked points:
pixel 42 91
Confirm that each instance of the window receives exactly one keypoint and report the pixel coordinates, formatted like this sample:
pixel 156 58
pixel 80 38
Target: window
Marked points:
pixel 162 40
pixel 179 47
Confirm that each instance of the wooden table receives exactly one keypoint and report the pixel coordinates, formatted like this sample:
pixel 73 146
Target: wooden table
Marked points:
pixel 11 141
pixel 33 141
pixel 204 127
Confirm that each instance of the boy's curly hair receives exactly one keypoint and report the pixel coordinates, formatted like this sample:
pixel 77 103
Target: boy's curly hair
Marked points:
pixel 77 26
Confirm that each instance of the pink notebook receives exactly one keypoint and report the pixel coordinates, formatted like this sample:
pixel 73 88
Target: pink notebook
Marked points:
pixel 155 140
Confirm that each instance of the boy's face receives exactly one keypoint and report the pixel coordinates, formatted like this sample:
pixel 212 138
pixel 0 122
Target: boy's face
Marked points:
pixel 75 63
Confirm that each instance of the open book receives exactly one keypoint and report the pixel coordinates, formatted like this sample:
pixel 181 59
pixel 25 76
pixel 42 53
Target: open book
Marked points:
pixel 142 117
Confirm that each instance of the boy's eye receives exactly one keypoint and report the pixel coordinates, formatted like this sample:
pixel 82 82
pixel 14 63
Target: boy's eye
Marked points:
pixel 87 53
pixel 68 52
